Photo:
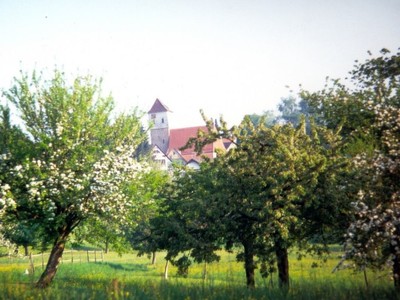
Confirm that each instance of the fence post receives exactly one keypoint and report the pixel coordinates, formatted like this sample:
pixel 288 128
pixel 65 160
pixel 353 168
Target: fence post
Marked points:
pixel 72 256
pixel 95 256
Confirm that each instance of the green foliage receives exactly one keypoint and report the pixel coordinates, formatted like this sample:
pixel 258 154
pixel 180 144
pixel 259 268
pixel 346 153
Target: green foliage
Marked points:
pixel 102 233
pixel 268 118
pixel 14 143
pixel 183 264
pixel 369 113
pixel 80 163
pixel 12 138
pixel 20 233
pixel 289 110
pixel 141 232
pixel 292 110
pixel 261 194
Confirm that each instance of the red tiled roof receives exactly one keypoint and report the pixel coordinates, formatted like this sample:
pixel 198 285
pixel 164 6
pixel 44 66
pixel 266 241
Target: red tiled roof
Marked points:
pixel 158 106
pixel 179 137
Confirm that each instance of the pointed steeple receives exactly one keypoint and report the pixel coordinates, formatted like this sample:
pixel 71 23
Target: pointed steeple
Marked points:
pixel 159 132
pixel 158 106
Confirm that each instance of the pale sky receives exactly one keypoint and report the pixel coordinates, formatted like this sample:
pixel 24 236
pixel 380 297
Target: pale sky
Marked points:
pixel 225 57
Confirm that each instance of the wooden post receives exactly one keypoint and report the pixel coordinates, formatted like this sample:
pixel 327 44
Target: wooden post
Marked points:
pixel 72 256
pixel 95 257
pixel 87 252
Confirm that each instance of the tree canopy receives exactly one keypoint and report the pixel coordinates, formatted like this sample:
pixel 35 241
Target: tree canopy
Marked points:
pixel 369 112
pixel 258 195
pixel 80 161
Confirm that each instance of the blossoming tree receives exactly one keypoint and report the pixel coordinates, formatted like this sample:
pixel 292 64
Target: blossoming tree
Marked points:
pixel 370 112
pixel 13 140
pixel 81 163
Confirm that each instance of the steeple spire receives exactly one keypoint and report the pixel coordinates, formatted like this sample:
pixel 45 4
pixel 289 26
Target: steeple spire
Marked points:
pixel 159 133
pixel 158 106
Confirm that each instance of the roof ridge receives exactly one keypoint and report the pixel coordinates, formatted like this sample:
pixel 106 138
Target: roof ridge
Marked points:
pixel 190 127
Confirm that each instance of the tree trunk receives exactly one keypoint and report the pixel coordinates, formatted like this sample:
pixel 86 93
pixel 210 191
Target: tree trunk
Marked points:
pixel 283 265
pixel 249 263
pixel 366 277
pixel 205 271
pixel 26 250
pixel 153 258
pixel 166 269
pixel 54 260
pixel 396 272
pixel 106 248
pixel 396 259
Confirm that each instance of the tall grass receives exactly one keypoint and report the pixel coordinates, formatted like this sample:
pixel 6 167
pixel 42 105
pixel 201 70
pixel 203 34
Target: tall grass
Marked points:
pixel 131 277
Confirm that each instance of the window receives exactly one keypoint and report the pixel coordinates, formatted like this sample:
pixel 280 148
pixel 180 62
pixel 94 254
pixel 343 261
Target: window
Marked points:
pixel 162 120
pixel 153 116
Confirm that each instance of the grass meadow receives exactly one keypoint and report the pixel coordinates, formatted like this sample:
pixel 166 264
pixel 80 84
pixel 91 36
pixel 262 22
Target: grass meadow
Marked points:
pixel 130 277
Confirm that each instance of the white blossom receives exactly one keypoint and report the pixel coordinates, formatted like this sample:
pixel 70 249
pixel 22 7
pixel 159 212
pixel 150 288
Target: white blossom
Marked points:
pixel 59 129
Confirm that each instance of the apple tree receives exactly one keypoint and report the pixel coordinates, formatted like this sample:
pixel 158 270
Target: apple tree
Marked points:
pixel 81 161
pixel 370 113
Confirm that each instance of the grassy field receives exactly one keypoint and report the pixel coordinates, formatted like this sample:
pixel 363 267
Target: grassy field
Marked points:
pixel 132 277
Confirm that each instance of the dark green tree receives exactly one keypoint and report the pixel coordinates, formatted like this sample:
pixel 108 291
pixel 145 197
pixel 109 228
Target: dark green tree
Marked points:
pixel 262 189
pixel 139 232
pixel 177 227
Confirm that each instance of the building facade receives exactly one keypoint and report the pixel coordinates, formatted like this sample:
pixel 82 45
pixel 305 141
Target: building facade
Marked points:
pixel 167 142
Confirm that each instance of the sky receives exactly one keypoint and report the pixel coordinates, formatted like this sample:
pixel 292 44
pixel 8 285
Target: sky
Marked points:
pixel 227 57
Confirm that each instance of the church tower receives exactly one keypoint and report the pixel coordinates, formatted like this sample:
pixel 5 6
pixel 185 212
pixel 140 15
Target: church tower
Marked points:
pixel 159 133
